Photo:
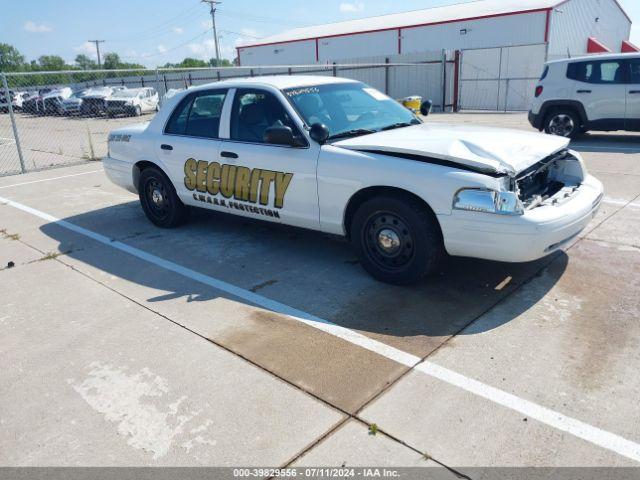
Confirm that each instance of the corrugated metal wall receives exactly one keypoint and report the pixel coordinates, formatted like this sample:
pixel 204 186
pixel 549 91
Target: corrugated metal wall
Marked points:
pixel 509 30
pixel 572 23
pixel 502 31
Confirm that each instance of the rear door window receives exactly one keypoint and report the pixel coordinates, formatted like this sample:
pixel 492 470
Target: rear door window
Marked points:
pixel 198 115
pixel 606 72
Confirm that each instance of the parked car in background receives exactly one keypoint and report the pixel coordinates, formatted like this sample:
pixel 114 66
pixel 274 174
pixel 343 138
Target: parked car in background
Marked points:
pixel 73 104
pixel 599 92
pixel 133 102
pixel 35 103
pixel 53 100
pixel 93 101
pixel 17 100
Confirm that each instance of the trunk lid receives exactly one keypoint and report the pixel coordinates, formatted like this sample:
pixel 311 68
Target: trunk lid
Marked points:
pixel 490 150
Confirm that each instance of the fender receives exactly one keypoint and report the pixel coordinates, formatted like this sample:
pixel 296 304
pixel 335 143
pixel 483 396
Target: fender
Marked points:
pixel 574 104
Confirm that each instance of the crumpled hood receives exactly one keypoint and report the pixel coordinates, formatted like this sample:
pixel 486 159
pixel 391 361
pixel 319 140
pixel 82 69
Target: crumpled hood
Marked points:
pixel 491 150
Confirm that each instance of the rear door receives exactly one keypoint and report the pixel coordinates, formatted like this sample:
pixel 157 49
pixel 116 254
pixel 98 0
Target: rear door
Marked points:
pixel 600 85
pixel 190 142
pixel 633 96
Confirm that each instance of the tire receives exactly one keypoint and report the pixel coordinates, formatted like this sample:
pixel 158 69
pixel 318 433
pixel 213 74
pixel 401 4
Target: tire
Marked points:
pixel 137 111
pixel 563 123
pixel 159 200
pixel 397 239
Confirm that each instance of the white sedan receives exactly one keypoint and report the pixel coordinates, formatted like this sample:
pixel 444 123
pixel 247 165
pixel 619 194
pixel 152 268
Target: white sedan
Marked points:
pixel 338 156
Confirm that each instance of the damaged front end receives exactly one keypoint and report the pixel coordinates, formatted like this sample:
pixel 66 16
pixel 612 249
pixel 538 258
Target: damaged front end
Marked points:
pixel 551 181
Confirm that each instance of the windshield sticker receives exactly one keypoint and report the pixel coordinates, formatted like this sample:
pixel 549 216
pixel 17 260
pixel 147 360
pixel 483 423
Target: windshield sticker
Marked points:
pixel 210 181
pixel 376 94
pixel 302 91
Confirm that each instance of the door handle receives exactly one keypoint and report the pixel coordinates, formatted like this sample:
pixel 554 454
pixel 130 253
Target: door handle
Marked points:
pixel 634 92
pixel 164 146
pixel 584 91
pixel 228 155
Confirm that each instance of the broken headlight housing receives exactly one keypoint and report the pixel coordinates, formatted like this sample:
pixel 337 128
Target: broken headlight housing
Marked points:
pixel 488 201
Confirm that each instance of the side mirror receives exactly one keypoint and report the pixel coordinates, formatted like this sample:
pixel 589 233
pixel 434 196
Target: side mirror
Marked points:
pixel 319 133
pixel 280 135
pixel 425 108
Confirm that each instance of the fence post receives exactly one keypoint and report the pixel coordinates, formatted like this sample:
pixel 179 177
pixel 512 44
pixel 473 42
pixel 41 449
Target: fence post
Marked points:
pixel 386 76
pixel 506 96
pixel 190 79
pixel 158 87
pixel 444 80
pixel 142 80
pixel 335 70
pixel 16 137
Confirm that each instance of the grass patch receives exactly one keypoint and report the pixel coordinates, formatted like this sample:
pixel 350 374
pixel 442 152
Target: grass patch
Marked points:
pixel 373 429
pixel 50 256
pixel 12 236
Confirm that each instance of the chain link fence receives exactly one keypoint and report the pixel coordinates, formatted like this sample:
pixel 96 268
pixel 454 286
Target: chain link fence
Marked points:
pixel 49 119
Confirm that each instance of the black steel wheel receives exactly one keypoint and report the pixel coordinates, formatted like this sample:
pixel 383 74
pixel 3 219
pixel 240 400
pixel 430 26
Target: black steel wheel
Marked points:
pixel 397 238
pixel 159 199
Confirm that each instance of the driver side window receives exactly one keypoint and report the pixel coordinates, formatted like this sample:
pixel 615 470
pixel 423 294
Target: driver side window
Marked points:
pixel 253 112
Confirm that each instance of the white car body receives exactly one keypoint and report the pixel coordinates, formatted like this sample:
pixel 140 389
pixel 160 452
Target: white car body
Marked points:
pixel 133 101
pixel 442 165
pixel 598 92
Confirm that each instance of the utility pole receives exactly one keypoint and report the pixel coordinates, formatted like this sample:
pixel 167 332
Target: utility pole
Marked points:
pixel 213 4
pixel 98 42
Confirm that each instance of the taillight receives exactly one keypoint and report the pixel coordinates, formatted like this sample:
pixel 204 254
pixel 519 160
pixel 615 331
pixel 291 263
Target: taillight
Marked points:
pixel 539 90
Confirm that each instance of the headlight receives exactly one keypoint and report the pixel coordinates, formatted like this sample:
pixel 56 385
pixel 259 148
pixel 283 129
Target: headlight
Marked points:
pixel 488 201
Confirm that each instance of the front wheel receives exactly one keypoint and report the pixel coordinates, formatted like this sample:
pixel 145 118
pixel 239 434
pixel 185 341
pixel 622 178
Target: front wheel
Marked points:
pixel 159 200
pixel 397 239
pixel 563 123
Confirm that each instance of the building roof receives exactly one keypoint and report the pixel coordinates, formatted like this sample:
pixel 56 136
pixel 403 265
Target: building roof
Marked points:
pixel 448 13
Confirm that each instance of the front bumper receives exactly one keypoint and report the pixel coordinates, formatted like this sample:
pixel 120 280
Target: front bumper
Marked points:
pixel 536 234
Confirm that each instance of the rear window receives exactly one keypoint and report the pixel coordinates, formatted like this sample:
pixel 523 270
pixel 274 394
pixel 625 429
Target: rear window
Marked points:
pixel 198 115
pixel 598 72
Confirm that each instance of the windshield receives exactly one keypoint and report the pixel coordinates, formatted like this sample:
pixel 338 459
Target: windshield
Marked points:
pixel 349 109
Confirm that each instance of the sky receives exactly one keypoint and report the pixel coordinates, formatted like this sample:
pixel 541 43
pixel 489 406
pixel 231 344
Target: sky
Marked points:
pixel 160 31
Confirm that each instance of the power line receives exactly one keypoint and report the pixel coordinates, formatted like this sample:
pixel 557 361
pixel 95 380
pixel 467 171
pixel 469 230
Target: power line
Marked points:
pixel 173 48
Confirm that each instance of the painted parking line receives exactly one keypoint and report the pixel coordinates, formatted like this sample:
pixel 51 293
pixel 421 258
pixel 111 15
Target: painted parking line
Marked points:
pixel 577 428
pixel 49 179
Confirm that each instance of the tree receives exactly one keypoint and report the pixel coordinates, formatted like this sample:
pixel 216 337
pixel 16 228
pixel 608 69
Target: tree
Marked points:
pixel 11 59
pixel 111 61
pixel 223 63
pixel 85 63
pixel 52 62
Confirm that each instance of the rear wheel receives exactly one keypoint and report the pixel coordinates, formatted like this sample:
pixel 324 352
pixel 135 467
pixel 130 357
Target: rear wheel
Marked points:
pixel 397 239
pixel 563 123
pixel 159 199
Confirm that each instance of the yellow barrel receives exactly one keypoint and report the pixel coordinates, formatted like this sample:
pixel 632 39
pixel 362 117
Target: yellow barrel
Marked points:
pixel 412 103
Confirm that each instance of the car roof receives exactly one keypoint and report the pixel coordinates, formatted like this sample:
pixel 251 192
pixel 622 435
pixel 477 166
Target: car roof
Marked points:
pixel 603 56
pixel 278 81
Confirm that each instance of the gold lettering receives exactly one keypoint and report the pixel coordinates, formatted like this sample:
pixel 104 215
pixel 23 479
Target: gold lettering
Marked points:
pixel 190 167
pixel 201 176
pixel 267 177
pixel 213 178
pixel 227 180
pixel 243 175
pixel 281 185
pixel 255 181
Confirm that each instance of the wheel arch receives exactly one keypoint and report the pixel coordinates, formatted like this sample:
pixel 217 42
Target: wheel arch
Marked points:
pixel 139 166
pixel 574 105
pixel 364 194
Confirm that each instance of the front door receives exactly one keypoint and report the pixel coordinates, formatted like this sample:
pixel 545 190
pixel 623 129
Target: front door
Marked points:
pixel 260 180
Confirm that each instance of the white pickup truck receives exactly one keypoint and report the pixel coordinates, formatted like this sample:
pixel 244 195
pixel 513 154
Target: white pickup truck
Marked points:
pixel 338 156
